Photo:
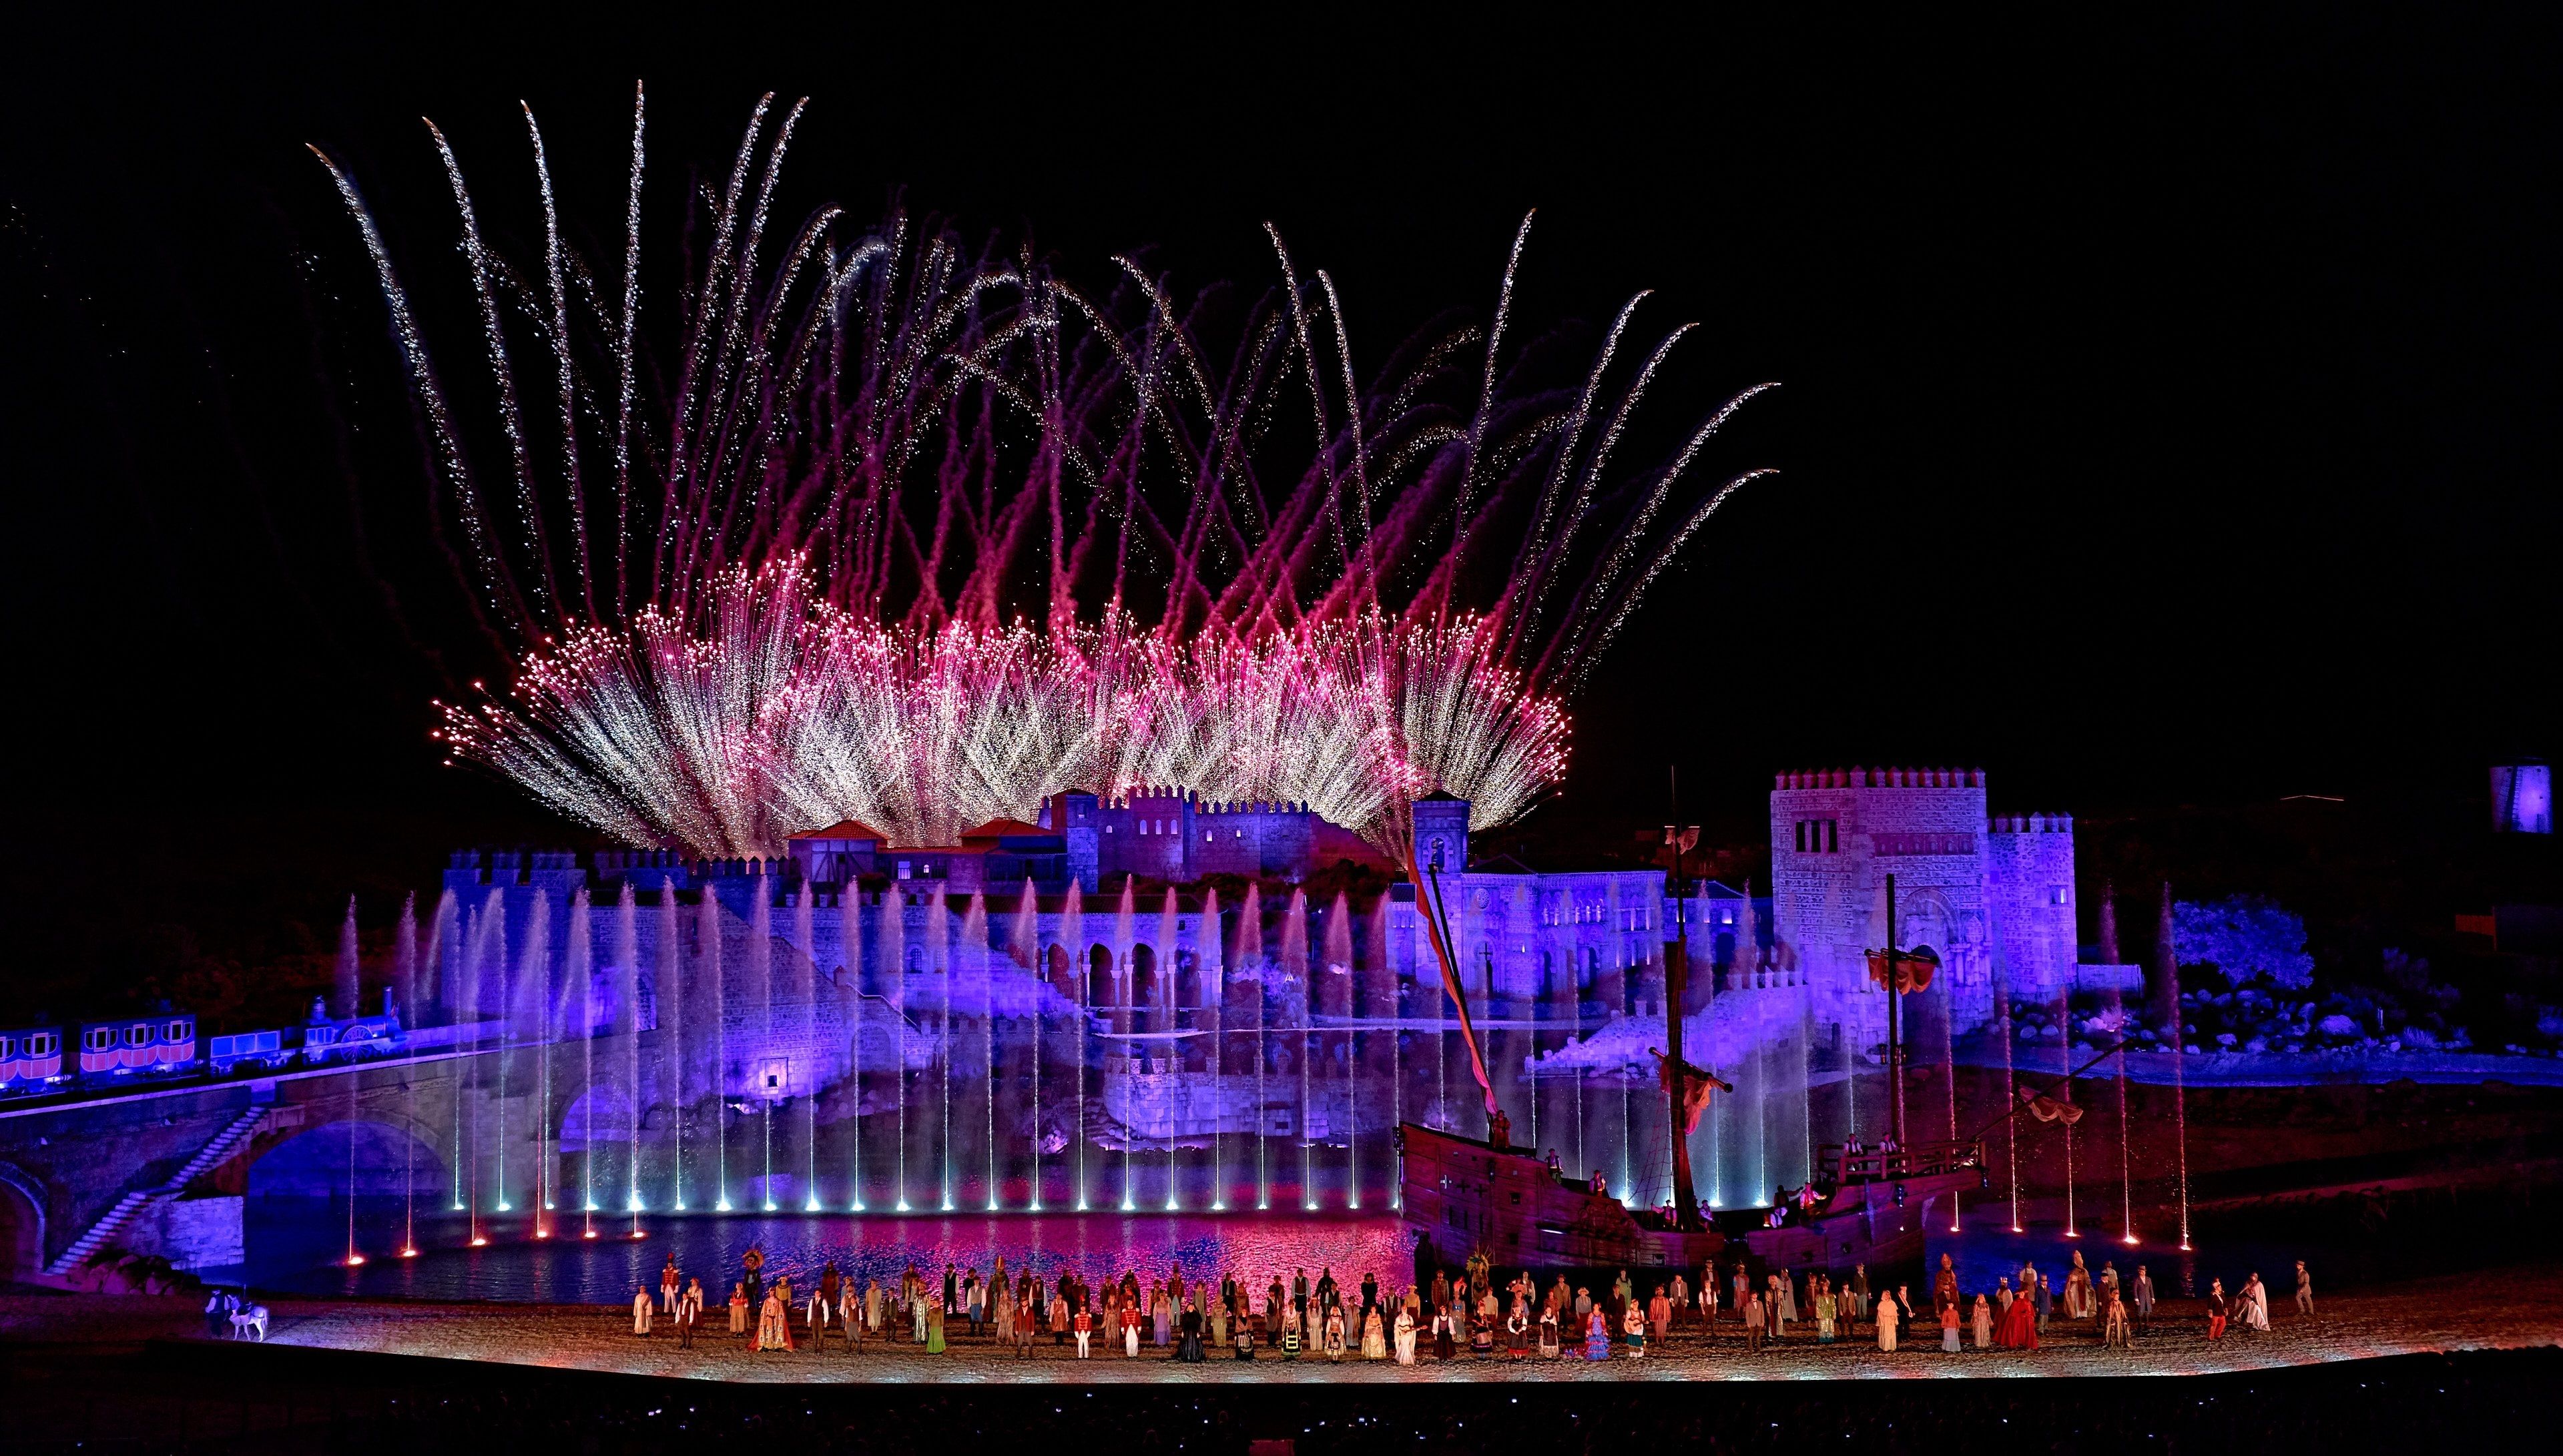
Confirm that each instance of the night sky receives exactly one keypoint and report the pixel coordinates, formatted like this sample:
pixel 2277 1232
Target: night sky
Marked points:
pixel 2169 411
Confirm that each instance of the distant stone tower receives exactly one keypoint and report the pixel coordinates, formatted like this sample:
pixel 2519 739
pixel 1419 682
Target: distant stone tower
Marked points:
pixel 1442 833
pixel 1974 889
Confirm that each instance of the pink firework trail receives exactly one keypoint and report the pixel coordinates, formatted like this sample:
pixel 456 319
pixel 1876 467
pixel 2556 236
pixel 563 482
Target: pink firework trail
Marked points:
pixel 905 532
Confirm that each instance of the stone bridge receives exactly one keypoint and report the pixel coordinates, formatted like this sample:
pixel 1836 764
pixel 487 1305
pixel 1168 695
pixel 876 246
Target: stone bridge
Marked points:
pixel 167 1170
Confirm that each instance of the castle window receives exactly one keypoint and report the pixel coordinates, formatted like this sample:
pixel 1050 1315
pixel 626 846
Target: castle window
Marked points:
pixel 2060 895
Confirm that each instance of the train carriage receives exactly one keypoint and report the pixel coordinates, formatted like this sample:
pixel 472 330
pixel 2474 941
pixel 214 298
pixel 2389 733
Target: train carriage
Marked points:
pixel 161 1044
pixel 30 1058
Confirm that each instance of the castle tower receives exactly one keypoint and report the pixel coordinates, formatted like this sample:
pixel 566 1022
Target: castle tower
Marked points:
pixel 1836 834
pixel 1442 833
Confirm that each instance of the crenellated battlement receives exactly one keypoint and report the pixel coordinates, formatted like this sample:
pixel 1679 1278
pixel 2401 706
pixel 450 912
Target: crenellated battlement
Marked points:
pixel 1857 777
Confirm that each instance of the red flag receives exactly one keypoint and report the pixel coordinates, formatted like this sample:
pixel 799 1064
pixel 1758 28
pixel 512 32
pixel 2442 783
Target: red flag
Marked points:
pixel 1913 969
pixel 1696 1089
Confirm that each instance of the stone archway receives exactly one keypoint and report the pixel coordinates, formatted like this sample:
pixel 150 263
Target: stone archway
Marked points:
pixel 21 1225
pixel 299 1210
pixel 1101 988
pixel 1143 976
pixel 315 1161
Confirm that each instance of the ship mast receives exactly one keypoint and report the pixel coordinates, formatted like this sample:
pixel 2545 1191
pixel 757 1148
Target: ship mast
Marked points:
pixel 1677 986
pixel 1894 1019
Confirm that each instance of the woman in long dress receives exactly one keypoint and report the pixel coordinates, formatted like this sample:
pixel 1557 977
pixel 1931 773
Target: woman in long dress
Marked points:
pixel 1984 1322
pixel 1949 1327
pixel 1405 1336
pixel 1446 1336
pixel 2078 1290
pixel 1551 1345
pixel 1633 1324
pixel 934 1324
pixel 773 1323
pixel 641 1312
pixel 1374 1340
pixel 1886 1313
pixel 739 1308
pixel 1334 1345
pixel 1597 1336
pixel 1825 1308
pixel 1788 1300
pixel 1163 1313
pixel 1517 1328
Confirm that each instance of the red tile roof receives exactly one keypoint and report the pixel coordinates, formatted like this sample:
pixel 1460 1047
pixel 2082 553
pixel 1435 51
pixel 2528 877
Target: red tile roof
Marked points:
pixel 844 829
pixel 997 828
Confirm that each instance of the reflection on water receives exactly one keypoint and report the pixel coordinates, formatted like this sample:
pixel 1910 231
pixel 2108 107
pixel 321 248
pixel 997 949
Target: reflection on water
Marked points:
pixel 292 1242
pixel 294 1245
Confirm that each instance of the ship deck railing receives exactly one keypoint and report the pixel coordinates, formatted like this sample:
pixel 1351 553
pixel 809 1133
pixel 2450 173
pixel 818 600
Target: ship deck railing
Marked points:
pixel 1923 1160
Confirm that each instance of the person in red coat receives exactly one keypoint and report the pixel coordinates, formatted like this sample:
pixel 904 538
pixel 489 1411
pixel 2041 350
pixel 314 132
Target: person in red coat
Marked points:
pixel 2018 1327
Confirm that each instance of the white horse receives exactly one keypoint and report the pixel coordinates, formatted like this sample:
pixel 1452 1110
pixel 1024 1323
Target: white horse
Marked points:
pixel 250 1323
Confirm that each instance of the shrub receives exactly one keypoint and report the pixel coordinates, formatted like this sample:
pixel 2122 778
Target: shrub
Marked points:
pixel 2247 938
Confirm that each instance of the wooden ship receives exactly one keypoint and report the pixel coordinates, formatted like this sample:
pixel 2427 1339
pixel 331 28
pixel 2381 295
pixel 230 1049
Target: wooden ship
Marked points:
pixel 1471 1196
pixel 1464 1197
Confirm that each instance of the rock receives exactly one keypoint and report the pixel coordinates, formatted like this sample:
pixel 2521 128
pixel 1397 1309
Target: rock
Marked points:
pixel 2337 1026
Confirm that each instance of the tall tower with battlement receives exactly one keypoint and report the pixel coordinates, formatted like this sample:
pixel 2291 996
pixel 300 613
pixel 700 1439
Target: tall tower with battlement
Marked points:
pixel 1985 894
pixel 1442 833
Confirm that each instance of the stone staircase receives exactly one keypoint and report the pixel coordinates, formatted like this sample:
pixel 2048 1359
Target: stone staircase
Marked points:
pixel 132 1205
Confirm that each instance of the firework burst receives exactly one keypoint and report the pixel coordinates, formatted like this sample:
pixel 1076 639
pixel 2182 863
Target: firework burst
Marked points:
pixel 918 535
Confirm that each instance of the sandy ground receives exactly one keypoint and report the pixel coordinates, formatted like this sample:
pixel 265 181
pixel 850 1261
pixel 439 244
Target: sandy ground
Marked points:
pixel 2504 1309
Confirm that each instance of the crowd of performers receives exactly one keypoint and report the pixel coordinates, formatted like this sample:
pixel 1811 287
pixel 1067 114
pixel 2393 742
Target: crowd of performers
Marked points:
pixel 1459 1312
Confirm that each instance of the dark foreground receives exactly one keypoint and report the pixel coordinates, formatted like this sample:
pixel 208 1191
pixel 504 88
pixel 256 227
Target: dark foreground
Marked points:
pixel 180 1396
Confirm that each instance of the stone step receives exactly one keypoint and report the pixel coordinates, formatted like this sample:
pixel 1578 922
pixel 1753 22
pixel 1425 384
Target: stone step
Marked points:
pixel 113 1221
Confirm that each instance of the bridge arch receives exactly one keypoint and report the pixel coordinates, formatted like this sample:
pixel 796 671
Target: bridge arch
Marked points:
pixel 22 1223
pixel 390 1157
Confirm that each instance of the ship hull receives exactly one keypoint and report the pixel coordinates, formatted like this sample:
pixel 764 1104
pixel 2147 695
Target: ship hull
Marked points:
pixel 1466 1197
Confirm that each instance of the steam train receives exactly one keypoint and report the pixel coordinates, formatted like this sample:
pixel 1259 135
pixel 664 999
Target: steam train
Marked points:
pixel 162 1046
